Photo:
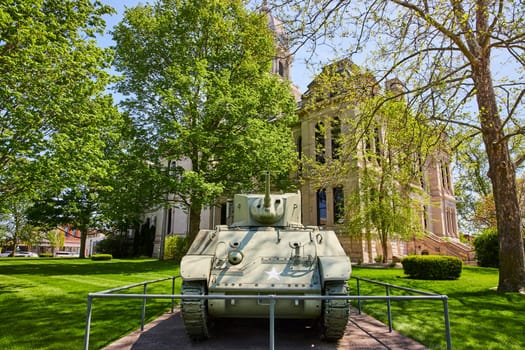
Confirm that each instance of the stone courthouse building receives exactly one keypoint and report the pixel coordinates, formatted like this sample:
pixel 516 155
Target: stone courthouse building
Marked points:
pixel 323 118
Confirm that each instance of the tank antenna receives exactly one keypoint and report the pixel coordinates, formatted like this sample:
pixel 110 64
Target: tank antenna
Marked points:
pixel 267 201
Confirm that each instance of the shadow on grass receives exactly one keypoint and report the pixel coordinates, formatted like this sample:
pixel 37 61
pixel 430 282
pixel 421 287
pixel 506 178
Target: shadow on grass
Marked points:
pixel 51 267
pixel 51 323
pixel 478 320
pixel 43 302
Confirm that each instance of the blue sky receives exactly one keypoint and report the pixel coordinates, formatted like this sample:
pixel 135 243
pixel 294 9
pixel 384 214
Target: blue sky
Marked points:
pixel 301 73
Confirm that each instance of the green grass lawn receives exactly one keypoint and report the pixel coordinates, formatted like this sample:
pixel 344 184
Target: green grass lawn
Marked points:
pixel 43 304
pixel 480 317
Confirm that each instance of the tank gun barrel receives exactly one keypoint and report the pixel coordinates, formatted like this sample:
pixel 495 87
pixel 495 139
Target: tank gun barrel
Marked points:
pixel 267 201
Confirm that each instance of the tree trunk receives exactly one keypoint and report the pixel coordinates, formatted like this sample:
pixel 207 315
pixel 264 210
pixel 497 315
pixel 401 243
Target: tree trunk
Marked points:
pixel 195 220
pixel 369 248
pixel 16 233
pixel 384 247
pixel 15 244
pixel 83 237
pixel 502 176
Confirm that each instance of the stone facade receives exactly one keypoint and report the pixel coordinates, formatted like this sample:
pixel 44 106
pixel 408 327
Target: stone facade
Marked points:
pixel 320 203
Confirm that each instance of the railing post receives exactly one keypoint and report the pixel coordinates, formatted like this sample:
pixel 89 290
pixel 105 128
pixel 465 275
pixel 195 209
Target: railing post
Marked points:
pixel 88 323
pixel 389 309
pixel 447 322
pixel 358 294
pixel 143 316
pixel 272 322
pixel 172 293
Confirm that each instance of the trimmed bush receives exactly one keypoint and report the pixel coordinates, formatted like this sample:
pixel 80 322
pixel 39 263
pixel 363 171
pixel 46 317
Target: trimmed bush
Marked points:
pixel 98 257
pixel 46 255
pixel 487 248
pixel 432 267
pixel 175 246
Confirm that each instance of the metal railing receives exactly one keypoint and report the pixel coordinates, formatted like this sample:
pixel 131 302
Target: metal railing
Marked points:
pixel 272 299
pixel 389 298
pixel 108 294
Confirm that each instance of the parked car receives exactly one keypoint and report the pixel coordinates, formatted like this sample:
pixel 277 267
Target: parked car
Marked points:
pixel 65 254
pixel 22 254
pixel 27 254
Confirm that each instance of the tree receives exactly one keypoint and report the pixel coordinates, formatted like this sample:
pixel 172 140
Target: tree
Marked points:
pixel 133 186
pixel 16 225
pixel 391 187
pixel 56 239
pixel 73 207
pixel 55 115
pixel 485 212
pixel 471 184
pixel 196 77
pixel 4 236
pixel 445 52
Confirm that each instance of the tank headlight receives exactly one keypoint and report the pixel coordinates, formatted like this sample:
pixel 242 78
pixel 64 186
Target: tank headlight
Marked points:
pixel 235 257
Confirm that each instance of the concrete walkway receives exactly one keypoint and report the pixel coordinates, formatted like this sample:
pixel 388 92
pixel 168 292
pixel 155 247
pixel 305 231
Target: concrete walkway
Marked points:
pixel 167 332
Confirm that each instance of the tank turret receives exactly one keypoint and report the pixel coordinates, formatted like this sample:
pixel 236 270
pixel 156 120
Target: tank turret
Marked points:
pixel 266 250
pixel 268 210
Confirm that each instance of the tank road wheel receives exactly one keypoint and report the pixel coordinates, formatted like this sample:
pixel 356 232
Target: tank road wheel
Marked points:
pixel 335 312
pixel 195 311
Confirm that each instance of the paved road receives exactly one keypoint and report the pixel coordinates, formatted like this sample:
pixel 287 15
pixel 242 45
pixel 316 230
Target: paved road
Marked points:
pixel 167 332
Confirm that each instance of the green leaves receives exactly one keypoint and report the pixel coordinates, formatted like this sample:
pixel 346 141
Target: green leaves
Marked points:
pixel 196 78
pixel 55 118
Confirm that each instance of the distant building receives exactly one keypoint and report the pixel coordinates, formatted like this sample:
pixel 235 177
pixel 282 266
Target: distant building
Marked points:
pixel 71 243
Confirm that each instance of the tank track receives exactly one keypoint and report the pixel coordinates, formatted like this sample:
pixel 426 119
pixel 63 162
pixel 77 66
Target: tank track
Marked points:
pixel 195 311
pixel 335 312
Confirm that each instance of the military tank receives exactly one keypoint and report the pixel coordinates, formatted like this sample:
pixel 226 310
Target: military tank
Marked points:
pixel 265 251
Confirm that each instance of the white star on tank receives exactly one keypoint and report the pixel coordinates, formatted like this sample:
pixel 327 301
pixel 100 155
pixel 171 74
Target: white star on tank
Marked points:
pixel 273 274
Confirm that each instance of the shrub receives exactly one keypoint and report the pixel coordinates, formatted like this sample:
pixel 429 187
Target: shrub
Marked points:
pixel 118 245
pixel 45 255
pixel 432 267
pixel 98 257
pixel 487 248
pixel 175 246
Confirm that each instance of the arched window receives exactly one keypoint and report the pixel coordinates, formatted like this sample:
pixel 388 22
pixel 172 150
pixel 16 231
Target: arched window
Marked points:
pixel 368 148
pixel 336 138
pixel 319 142
pixel 377 141
pixel 172 166
pixel 299 146
pixel 170 218
pixel 425 220
pixel 419 170
pixel 373 144
pixel 445 176
pixel 281 69
pixel 321 207
pixel 339 205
